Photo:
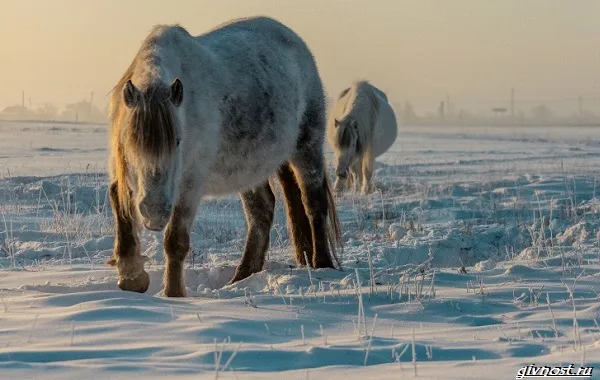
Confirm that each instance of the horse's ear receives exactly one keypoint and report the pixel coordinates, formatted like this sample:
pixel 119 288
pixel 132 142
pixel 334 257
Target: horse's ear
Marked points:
pixel 336 122
pixel 176 92
pixel 131 94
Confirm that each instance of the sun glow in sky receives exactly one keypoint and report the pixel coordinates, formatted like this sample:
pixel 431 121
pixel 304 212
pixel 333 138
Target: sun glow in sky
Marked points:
pixel 419 50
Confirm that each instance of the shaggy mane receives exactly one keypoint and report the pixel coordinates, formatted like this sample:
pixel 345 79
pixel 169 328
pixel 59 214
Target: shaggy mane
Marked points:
pixel 148 130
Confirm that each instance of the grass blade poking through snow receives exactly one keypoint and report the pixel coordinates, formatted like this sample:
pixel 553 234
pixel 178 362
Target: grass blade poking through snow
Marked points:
pixel 312 285
pixel 233 354
pixel 370 340
pixel 552 315
pixel 361 309
pixel 414 353
pixel 371 272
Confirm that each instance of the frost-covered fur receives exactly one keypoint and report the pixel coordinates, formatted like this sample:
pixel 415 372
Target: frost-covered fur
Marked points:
pixel 216 114
pixel 362 126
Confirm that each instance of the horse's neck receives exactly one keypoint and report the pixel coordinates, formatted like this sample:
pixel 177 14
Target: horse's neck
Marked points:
pixel 213 65
pixel 351 106
pixel 208 71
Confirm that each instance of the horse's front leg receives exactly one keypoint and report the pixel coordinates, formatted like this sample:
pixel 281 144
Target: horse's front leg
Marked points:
pixel 340 180
pixel 126 253
pixel 356 173
pixel 349 180
pixel 176 244
pixel 367 170
pixel 176 238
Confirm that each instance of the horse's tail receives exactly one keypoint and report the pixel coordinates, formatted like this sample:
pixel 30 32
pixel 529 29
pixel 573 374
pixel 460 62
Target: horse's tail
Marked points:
pixel 334 234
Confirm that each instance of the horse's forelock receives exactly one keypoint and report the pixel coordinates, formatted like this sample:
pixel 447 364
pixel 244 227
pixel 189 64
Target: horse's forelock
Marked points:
pixel 345 134
pixel 151 130
pixel 363 109
pixel 146 132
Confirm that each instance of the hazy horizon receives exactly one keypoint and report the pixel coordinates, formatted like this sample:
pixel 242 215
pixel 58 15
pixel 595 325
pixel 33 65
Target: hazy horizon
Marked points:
pixel 421 50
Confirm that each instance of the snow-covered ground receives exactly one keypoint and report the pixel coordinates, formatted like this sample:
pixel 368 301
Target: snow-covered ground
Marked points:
pixel 478 255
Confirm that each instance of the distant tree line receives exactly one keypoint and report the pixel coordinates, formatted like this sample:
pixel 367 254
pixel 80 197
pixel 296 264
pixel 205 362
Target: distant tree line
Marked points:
pixel 82 111
pixel 540 114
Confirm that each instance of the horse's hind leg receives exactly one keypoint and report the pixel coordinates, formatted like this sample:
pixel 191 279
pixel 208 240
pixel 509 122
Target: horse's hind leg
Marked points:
pixel 308 164
pixel 310 172
pixel 259 207
pixel 297 220
pixel 126 253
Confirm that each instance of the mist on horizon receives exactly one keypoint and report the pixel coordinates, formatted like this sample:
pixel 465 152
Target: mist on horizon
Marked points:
pixel 468 53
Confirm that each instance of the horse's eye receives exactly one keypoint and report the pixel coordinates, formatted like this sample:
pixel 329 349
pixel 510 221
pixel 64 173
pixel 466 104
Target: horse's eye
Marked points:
pixel 178 141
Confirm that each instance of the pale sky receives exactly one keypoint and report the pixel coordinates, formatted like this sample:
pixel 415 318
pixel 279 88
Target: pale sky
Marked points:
pixel 419 50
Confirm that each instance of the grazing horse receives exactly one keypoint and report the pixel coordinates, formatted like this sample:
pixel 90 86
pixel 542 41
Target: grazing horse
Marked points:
pixel 219 113
pixel 362 126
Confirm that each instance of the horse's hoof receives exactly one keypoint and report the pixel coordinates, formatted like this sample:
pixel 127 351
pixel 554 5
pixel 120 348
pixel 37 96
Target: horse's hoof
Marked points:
pixel 324 264
pixel 174 292
pixel 238 276
pixel 138 285
pixel 235 279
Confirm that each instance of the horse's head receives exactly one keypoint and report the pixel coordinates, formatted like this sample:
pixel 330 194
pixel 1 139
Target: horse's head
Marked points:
pixel 152 136
pixel 348 145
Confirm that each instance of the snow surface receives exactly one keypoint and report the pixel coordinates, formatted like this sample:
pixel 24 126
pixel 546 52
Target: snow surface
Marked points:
pixel 478 255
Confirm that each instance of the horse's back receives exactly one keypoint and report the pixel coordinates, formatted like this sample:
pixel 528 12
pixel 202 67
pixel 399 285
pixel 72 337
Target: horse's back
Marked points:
pixel 255 23
pixel 273 83
pixel 262 54
pixel 254 32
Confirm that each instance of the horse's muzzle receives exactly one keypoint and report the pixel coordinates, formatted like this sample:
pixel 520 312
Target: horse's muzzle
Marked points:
pixel 154 226
pixel 155 218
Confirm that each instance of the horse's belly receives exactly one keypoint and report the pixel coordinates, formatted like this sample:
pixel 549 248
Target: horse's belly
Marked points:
pixel 384 141
pixel 235 174
pixel 238 181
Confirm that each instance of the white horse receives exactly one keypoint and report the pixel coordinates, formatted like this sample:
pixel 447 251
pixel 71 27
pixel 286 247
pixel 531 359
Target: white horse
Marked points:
pixel 362 126
pixel 219 113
